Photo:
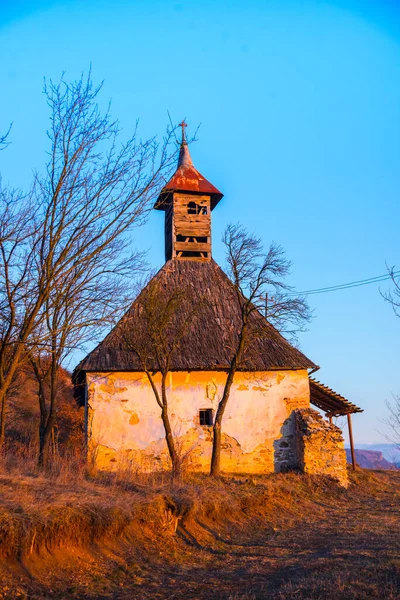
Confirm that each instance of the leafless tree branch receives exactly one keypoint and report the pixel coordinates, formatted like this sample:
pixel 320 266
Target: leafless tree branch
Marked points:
pixel 3 138
pixel 393 296
pixel 65 248
pixel 154 329
pixel 255 275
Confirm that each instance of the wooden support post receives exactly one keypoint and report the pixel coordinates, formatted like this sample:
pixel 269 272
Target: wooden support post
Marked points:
pixel 353 456
pixel 330 419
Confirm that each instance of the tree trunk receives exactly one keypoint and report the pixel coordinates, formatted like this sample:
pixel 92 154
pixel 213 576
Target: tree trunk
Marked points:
pixel 215 469
pixel 45 437
pixel 5 383
pixel 175 460
pixel 169 438
pixel 43 458
pixel 176 464
pixel 47 416
pixel 3 419
pixel 217 429
pixel 3 410
pixel 53 443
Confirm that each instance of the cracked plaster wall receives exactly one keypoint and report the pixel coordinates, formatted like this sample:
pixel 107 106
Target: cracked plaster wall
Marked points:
pixel 125 427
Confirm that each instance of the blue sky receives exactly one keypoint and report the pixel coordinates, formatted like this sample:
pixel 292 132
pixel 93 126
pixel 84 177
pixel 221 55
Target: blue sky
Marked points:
pixel 299 105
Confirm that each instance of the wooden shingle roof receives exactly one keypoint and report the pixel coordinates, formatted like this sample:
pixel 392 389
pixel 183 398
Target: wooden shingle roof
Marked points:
pixel 209 341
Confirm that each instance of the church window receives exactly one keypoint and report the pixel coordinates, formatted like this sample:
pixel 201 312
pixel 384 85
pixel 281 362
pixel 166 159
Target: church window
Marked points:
pixel 196 209
pixel 206 417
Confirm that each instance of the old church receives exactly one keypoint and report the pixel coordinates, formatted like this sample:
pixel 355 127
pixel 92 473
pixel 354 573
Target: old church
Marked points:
pixel 268 426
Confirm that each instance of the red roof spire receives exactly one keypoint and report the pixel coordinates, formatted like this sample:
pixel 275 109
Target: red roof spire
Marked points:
pixel 187 179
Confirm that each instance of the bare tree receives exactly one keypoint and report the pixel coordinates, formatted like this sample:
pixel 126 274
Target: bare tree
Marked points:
pixel 16 287
pixel 393 296
pixel 393 406
pixel 393 420
pixel 255 275
pixel 80 305
pixel 153 330
pixel 74 228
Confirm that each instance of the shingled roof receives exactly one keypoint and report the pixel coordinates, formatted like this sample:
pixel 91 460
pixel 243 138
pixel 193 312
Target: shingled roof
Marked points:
pixel 209 341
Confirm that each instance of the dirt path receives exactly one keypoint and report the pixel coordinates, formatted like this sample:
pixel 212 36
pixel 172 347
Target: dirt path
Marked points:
pixel 353 553
pixel 338 550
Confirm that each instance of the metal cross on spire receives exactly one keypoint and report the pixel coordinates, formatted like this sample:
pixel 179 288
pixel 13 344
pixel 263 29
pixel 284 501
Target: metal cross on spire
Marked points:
pixel 184 159
pixel 183 125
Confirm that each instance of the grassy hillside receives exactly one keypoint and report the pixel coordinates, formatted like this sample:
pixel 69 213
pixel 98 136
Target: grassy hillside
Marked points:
pixel 279 536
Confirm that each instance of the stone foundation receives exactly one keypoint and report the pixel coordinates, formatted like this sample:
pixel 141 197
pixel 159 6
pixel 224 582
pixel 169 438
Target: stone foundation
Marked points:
pixel 320 448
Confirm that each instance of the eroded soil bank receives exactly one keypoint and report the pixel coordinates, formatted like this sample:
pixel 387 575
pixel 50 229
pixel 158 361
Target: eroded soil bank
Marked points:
pixel 281 536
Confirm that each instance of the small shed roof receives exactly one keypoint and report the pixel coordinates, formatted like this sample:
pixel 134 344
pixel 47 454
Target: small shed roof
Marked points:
pixel 330 401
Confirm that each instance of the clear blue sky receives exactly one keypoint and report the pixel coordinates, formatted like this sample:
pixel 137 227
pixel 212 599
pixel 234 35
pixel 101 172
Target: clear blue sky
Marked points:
pixel 300 109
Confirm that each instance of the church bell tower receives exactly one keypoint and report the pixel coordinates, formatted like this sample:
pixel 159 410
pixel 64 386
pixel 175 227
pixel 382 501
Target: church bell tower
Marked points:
pixel 187 199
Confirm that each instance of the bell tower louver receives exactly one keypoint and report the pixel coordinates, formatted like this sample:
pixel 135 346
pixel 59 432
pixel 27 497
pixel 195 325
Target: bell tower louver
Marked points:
pixel 187 199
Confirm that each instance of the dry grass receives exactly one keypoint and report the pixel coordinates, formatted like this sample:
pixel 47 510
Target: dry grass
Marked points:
pixel 68 535
pixel 64 507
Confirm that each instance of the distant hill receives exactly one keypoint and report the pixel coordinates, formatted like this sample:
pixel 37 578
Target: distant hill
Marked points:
pixel 370 459
pixel 390 451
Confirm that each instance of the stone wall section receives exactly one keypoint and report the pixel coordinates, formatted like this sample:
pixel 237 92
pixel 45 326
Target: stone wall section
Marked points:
pixel 285 447
pixel 320 447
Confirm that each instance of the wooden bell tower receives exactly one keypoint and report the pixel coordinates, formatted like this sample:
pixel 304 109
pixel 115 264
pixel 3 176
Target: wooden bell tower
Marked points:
pixel 187 199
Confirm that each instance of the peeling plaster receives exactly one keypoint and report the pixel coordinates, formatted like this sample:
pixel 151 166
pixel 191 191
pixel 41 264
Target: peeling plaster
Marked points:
pixel 134 420
pixel 127 418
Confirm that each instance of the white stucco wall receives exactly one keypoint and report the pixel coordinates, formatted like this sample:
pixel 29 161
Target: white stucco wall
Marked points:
pixel 124 418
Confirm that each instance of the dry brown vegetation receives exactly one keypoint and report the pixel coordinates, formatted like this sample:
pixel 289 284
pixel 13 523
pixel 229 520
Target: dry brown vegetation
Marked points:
pixel 22 431
pixel 70 535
